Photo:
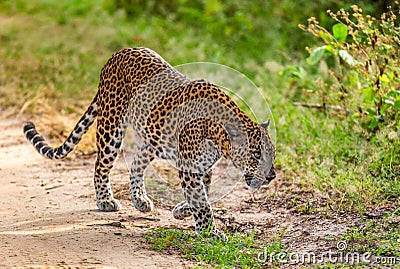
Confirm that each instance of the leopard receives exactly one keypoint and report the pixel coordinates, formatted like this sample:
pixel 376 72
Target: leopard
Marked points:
pixel 191 122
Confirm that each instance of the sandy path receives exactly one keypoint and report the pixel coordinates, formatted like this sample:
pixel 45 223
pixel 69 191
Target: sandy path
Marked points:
pixel 48 216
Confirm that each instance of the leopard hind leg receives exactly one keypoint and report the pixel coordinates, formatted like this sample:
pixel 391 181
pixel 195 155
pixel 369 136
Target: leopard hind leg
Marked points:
pixel 109 141
pixel 142 159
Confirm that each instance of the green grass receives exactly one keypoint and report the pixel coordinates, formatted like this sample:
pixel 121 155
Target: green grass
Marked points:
pixel 379 237
pixel 240 250
pixel 52 51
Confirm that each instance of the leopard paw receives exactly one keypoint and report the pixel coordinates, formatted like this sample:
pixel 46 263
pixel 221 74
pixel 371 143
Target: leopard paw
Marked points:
pixel 110 204
pixel 217 233
pixel 214 233
pixel 181 211
pixel 143 203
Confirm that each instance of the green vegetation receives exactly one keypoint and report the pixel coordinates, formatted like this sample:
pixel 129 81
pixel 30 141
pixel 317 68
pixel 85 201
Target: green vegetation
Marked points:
pixel 381 238
pixel 240 250
pixel 366 85
pixel 52 51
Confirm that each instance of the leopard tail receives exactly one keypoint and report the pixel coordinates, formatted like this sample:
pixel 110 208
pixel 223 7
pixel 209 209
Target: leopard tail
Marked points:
pixel 73 139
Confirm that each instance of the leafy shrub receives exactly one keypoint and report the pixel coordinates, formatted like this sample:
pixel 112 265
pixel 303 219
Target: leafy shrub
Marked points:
pixel 362 55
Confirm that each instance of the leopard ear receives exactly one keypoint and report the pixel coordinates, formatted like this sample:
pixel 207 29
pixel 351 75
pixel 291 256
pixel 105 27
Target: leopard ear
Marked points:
pixel 265 125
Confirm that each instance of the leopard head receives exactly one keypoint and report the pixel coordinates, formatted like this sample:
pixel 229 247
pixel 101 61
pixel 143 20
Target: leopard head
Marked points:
pixel 253 153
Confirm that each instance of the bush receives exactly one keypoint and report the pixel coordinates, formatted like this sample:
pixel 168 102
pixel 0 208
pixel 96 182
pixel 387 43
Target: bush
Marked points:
pixel 363 65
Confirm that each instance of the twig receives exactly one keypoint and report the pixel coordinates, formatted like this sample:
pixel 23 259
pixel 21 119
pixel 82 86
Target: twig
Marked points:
pixel 53 187
pixel 338 108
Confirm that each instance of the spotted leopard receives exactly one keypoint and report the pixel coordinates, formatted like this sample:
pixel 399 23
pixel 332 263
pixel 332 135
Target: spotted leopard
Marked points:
pixel 192 123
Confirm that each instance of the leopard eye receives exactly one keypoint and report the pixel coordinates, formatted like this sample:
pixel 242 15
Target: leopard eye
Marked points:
pixel 257 154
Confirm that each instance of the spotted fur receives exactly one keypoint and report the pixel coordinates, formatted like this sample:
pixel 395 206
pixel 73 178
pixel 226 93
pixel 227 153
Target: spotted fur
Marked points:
pixel 192 123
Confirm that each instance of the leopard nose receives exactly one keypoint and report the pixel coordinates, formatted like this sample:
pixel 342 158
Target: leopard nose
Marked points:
pixel 271 175
pixel 248 179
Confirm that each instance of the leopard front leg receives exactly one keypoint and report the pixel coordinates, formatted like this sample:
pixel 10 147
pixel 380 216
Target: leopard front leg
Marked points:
pixel 182 209
pixel 196 198
pixel 137 188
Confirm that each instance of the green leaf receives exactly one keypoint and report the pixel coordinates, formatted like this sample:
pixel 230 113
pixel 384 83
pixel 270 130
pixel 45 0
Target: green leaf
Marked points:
pixel 384 78
pixel 291 71
pixel 330 50
pixel 369 95
pixel 340 32
pixel 348 58
pixel 389 101
pixel 397 104
pixel 316 55
pixel 374 123
pixel 371 111
pixel 393 94
pixel 385 107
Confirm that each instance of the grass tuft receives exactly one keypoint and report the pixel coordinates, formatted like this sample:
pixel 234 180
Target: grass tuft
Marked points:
pixel 240 250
